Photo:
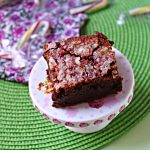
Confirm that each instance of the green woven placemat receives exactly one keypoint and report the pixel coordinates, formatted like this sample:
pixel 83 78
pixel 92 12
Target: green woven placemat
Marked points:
pixel 22 127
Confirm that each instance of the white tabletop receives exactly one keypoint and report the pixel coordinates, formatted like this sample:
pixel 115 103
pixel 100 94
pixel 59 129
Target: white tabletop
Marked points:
pixel 137 138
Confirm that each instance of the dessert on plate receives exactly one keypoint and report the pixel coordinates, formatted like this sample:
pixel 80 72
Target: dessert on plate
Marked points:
pixel 81 69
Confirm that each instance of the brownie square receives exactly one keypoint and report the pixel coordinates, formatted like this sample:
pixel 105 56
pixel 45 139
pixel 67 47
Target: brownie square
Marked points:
pixel 81 69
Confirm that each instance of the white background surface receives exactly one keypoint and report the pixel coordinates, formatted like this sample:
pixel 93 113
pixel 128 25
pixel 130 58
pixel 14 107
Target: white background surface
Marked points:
pixel 137 138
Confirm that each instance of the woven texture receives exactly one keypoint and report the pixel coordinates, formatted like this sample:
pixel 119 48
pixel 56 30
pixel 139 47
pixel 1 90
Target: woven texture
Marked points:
pixel 22 127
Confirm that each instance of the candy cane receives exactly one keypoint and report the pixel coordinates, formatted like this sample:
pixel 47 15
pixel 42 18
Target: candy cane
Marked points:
pixel 92 6
pixel 41 30
pixel 36 27
pixel 5 55
pixel 133 12
pixel 44 25
pixel 26 36
pixel 141 10
pixel 32 30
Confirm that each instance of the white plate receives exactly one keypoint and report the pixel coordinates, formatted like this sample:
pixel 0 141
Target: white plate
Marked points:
pixel 85 117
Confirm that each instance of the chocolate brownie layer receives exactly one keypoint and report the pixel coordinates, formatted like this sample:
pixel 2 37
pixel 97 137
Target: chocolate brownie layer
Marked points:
pixel 81 69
